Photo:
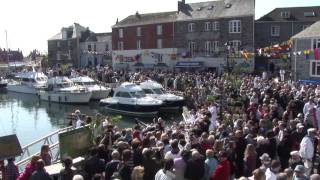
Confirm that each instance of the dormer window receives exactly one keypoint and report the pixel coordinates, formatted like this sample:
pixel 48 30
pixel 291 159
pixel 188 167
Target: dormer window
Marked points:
pixel 210 7
pixel 309 14
pixel 285 14
pixel 191 27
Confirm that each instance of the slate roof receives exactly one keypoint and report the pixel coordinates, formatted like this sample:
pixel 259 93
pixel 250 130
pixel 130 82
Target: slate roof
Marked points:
pixel 149 18
pixel 216 9
pixel 296 14
pixel 193 11
pixel 310 32
pixel 75 29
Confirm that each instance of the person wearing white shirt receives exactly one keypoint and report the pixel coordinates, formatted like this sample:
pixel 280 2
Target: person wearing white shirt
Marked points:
pixel 271 173
pixel 282 73
pixel 213 110
pixel 308 105
pixel 174 152
pixel 79 123
pixel 307 149
pixel 166 173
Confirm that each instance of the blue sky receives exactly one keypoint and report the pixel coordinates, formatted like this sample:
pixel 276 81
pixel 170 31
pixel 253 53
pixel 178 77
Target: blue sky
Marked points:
pixel 31 22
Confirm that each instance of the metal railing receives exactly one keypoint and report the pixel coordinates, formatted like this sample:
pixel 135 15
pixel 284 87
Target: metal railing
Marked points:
pixel 46 140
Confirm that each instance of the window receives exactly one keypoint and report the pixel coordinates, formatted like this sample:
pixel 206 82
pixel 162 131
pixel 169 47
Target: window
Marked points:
pixel 94 47
pixel 120 33
pixel 123 94
pixel 70 44
pixel 191 27
pixel 305 27
pixel 275 30
pixel 159 29
pixel 120 45
pixel 315 43
pixel 192 48
pixel 216 26
pixel 69 55
pixel 314 68
pixel 215 46
pixel 207 48
pixel 138 31
pixel 58 56
pixel 89 47
pixel 309 14
pixel 235 26
pixel 235 45
pixel 138 44
pixel 210 47
pixel 58 43
pixel 107 47
pixel 207 26
pixel 159 43
pixel 285 14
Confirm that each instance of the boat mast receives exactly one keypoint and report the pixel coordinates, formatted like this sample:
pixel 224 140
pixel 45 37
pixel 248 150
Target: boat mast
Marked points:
pixel 8 52
pixel 7 46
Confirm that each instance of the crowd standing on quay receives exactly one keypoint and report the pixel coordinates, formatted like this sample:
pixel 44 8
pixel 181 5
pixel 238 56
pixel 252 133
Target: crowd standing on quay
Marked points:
pixel 239 127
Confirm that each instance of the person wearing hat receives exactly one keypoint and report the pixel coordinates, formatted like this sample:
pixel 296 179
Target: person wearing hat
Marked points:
pixel 299 171
pixel 296 136
pixel 307 149
pixel 265 162
pixel 295 159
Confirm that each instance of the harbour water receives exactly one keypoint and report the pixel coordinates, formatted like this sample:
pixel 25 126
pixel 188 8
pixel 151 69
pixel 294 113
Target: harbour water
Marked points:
pixel 31 119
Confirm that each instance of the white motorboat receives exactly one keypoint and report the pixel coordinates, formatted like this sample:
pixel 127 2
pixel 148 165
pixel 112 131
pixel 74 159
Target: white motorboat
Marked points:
pixel 129 99
pixel 61 89
pixel 155 90
pixel 98 91
pixel 27 82
pixel 3 82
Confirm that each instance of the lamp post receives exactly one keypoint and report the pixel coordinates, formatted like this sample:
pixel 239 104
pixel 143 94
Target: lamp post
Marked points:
pixel 228 47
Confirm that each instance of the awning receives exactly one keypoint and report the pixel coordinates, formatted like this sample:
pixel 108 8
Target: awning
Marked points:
pixel 309 81
pixel 161 65
pixel 139 64
pixel 189 64
pixel 121 65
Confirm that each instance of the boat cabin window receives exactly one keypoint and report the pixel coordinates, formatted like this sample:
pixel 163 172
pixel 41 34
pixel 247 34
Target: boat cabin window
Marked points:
pixel 28 80
pixel 65 85
pixel 138 94
pixel 41 79
pixel 123 94
pixel 158 91
pixel 148 91
pixel 89 83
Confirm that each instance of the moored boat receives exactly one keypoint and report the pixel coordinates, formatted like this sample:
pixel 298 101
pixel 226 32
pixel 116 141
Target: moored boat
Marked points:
pixel 129 99
pixel 155 90
pixel 98 91
pixel 63 90
pixel 27 82
pixel 3 82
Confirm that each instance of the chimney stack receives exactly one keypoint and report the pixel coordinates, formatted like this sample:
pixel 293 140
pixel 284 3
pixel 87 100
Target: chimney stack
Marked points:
pixel 137 14
pixel 181 5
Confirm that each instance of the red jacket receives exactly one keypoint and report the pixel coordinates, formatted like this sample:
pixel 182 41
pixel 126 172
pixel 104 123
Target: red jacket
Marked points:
pixel 222 171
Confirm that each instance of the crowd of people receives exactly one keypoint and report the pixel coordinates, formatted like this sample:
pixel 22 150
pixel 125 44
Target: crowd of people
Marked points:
pixel 238 127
